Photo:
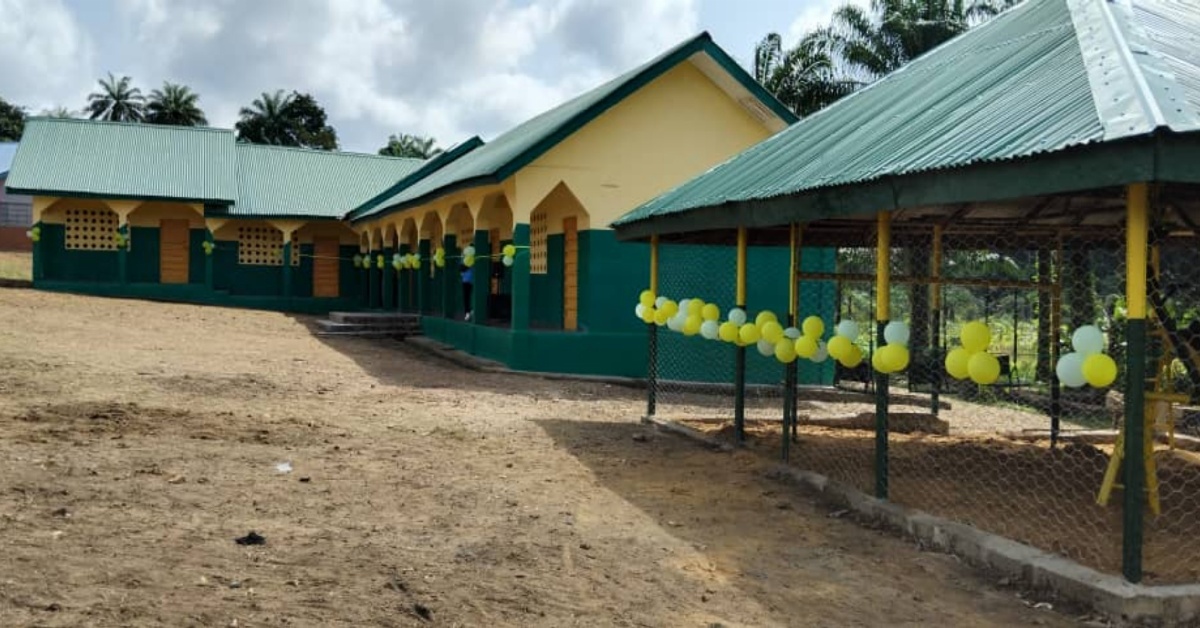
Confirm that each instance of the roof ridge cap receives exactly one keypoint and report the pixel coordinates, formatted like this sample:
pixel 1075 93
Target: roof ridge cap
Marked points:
pixel 1122 112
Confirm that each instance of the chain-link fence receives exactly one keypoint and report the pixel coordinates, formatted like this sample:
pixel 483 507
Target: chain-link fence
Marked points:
pixel 1007 413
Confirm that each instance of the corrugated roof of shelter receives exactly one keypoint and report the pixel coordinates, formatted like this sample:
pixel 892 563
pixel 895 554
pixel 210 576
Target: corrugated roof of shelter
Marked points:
pixel 503 156
pixel 1043 77
pixel 67 157
pixel 276 181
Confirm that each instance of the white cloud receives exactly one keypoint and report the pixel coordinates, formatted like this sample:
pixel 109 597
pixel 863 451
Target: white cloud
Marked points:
pixel 816 14
pixel 447 68
pixel 47 56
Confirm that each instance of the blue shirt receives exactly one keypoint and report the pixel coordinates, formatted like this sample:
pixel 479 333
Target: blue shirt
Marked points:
pixel 467 275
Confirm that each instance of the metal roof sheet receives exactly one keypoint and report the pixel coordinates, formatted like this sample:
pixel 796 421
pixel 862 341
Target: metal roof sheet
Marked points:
pixel 1037 79
pixel 62 156
pixel 498 159
pixel 296 182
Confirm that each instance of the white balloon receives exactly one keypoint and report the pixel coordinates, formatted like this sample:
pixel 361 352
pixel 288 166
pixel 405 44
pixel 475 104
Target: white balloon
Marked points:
pixel 896 333
pixel 766 347
pixel 1088 340
pixel 1070 370
pixel 710 329
pixel 848 328
pixel 792 333
pixel 469 251
pixel 683 305
pixel 639 311
pixel 675 323
pixel 508 260
pixel 658 303
pixel 822 353
pixel 737 316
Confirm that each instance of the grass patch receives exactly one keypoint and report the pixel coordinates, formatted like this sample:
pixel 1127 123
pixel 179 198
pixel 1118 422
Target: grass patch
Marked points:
pixel 16 266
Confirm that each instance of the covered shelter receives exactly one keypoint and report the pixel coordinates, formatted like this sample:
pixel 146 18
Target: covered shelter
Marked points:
pixel 1061 137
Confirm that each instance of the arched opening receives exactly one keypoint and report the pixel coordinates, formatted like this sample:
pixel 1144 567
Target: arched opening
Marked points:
pixel 326 253
pixel 432 231
pixel 461 225
pixel 496 218
pixel 409 241
pixel 554 260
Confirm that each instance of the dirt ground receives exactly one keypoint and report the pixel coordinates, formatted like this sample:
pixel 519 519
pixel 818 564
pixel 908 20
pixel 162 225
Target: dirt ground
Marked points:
pixel 14 265
pixel 139 440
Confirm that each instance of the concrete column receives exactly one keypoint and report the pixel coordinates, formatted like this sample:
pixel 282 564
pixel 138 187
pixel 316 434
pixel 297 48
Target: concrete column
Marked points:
pixel 520 278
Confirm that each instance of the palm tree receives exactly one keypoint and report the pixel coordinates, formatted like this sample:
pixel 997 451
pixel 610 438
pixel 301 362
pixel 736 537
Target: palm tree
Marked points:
pixel 412 146
pixel 175 104
pixel 117 101
pixel 267 120
pixel 803 78
pixel 870 43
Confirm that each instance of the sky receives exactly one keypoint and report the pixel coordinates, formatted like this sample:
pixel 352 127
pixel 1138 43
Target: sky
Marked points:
pixel 448 69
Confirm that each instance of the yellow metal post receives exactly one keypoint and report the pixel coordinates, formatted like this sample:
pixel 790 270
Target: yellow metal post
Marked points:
pixel 654 264
pixel 883 312
pixel 1135 452
pixel 739 368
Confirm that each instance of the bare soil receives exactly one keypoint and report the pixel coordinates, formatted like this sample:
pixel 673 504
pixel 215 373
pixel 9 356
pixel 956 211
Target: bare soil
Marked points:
pixel 139 440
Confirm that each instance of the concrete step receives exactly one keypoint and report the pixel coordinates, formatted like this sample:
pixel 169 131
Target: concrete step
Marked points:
pixel 374 318
pixel 393 329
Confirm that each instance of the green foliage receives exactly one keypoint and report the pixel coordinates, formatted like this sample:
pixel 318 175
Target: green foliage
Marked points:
pixel 117 101
pixel 58 112
pixel 12 121
pixel 176 105
pixel 411 146
pixel 281 119
pixel 802 78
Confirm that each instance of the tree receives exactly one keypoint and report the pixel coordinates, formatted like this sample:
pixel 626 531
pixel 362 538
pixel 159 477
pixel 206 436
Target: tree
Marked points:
pixel 117 101
pixel 412 146
pixel 802 78
pixel 58 112
pixel 12 121
pixel 175 104
pixel 286 120
pixel 870 43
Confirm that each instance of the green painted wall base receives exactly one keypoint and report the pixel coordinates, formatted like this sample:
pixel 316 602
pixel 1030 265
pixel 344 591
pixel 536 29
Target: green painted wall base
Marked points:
pixel 198 294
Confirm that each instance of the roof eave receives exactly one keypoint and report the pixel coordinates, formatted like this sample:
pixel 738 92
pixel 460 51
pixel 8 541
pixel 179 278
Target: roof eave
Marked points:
pixel 433 166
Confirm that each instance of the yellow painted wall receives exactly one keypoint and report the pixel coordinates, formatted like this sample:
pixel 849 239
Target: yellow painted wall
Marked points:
pixel 152 213
pixel 671 130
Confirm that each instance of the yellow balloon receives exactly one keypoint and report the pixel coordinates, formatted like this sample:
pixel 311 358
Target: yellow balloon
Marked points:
pixel 806 347
pixel 771 331
pixel 765 316
pixel 728 331
pixel 749 333
pixel 661 317
pixel 853 357
pixel 695 307
pixel 813 326
pixel 984 368
pixel 691 326
pixel 1099 370
pixel 648 315
pixel 646 298
pixel 877 361
pixel 710 312
pixel 785 351
pixel 839 347
pixel 976 337
pixel 956 363
pixel 671 308
pixel 509 250
pixel 893 358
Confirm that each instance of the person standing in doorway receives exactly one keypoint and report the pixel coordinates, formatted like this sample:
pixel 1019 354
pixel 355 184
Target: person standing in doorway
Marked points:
pixel 468 275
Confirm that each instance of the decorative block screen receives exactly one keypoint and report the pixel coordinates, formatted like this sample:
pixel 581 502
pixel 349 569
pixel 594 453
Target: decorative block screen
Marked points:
pixel 91 229
pixel 262 245
pixel 539 227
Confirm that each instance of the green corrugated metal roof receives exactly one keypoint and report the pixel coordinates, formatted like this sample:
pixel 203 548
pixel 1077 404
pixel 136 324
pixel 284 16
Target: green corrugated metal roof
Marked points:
pixel 1042 78
pixel 297 182
pixel 500 158
pixel 108 159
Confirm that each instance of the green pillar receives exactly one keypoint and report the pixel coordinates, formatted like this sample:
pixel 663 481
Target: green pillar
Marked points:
pixel 450 278
pixel 881 423
pixel 482 278
pixel 422 275
pixel 520 278
pixel 38 268
pixel 1136 269
pixel 123 254
pixel 389 279
pixel 403 279
pixel 287 268
pixel 208 259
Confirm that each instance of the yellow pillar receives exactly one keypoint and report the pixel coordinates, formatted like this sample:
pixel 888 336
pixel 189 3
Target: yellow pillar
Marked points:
pixel 741 267
pixel 654 264
pixel 883 312
pixel 883 269
pixel 1136 443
